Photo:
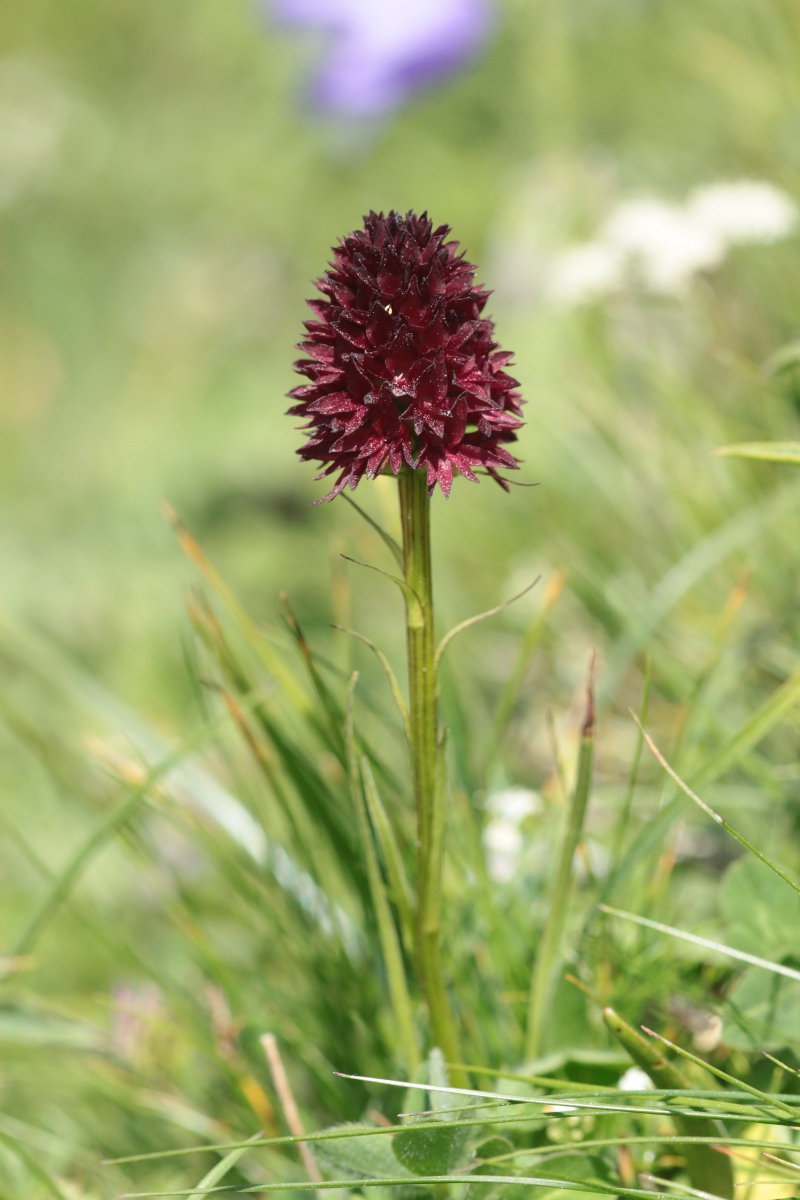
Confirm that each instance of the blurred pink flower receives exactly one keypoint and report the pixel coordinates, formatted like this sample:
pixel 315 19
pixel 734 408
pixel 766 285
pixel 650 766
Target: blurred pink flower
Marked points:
pixel 380 52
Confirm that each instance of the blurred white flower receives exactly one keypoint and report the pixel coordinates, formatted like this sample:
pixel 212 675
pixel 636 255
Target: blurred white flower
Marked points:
pixel 662 247
pixel 664 244
pixel 503 842
pixel 514 804
pixel 744 211
pixel 634 1080
pixel 586 272
pixel 502 837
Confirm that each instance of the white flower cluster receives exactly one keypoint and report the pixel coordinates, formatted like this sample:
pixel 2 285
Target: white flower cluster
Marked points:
pixel 502 836
pixel 662 246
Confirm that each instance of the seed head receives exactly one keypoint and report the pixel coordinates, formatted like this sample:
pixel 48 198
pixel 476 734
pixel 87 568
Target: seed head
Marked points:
pixel 403 368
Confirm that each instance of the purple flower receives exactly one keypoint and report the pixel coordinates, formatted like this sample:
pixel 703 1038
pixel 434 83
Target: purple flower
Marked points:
pixel 380 52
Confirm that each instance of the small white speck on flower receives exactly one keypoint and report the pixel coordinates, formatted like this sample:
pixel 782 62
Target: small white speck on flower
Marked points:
pixel 744 211
pixel 634 1080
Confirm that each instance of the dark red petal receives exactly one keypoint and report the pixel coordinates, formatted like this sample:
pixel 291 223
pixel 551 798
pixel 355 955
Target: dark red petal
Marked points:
pixel 400 362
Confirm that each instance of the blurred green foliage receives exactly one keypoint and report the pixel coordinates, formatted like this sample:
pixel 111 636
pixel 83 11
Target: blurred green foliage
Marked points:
pixel 166 196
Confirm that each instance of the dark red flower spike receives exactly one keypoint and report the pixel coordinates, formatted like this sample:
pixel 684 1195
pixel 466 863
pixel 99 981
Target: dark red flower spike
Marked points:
pixel 402 366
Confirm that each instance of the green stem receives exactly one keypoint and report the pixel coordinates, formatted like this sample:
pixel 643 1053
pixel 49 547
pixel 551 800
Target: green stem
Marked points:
pixel 427 757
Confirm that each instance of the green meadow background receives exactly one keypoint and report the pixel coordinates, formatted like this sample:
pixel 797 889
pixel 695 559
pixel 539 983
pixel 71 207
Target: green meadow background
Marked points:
pixel 166 197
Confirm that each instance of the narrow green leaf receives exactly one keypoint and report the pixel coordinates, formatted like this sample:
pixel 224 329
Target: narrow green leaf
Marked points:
pixel 63 883
pixel 549 947
pixel 577 1102
pixel 220 1170
pixel 393 684
pixel 530 642
pixel 33 1165
pixel 626 1139
pixel 390 945
pixel 407 591
pixel 392 858
pixel 709 1170
pixel 715 816
pixel 22 1027
pixel 751 959
pixel 779 452
pixel 771 1102
pixel 247 626
pixel 385 537
pixel 783 359
pixel 569 1185
pixel 331 707
pixel 491 612
pixel 763 721
pixel 625 811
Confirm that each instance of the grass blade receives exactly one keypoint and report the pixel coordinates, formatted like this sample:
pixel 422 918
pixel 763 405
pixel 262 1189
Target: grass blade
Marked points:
pixel 568 1185
pixel 625 811
pixel 331 707
pixel 393 684
pixel 715 816
pixel 751 959
pixel 780 452
pixel 770 714
pixel 508 697
pixel 393 861
pixel 63 883
pixel 386 538
pixel 547 953
pixel 763 721
pixel 770 1101
pixel 708 1169
pixel 219 1171
pixel 249 629
pixel 390 944
pixel 34 1166
pixel 490 612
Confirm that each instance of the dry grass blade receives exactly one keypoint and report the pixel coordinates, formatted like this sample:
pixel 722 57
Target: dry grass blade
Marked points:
pixel 285 1095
